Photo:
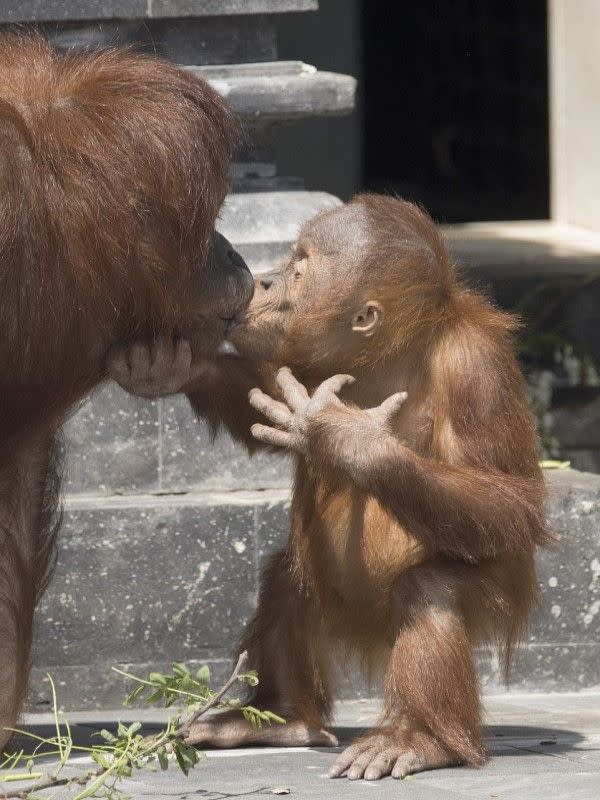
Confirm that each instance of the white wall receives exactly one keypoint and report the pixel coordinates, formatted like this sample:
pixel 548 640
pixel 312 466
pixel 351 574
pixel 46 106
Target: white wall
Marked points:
pixel 574 52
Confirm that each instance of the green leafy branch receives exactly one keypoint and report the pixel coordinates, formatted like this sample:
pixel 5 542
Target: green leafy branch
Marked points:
pixel 118 755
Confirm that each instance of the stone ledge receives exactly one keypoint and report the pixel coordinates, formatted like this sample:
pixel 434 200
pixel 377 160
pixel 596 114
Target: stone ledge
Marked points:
pixel 264 225
pixel 539 248
pixel 566 484
pixel 121 445
pixel 217 8
pixel 145 579
pixel 281 90
pixel 58 10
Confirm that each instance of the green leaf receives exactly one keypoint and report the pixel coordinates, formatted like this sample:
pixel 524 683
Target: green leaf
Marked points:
pixel 250 677
pixel 250 715
pixel 157 677
pixel 183 766
pixel 171 699
pixel 122 730
pixel 180 669
pixel 108 736
pixel 189 754
pixel 161 754
pixel 100 759
pixel 157 695
pixel 203 675
pixel 134 694
pixel 134 728
pixel 270 715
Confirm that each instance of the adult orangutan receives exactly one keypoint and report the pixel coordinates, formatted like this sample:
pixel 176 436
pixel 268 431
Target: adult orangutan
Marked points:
pixel 113 167
pixel 418 499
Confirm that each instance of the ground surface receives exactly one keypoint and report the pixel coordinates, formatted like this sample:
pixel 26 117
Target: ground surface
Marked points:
pixel 542 747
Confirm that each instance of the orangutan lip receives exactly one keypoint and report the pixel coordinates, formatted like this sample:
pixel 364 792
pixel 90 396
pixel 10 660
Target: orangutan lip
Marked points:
pixel 235 322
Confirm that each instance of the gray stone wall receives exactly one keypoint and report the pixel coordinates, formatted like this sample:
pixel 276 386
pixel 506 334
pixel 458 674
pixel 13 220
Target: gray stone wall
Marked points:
pixel 157 574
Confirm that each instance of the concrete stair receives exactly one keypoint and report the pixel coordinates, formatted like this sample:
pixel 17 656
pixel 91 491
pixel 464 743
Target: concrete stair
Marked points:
pixel 263 226
pixel 281 90
pixel 143 579
pixel 55 10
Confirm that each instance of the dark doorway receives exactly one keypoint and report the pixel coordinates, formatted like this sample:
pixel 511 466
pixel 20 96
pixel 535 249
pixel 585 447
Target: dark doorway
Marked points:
pixel 456 106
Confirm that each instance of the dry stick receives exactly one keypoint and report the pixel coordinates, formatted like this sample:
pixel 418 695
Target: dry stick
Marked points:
pixel 181 730
pixel 52 781
pixel 186 724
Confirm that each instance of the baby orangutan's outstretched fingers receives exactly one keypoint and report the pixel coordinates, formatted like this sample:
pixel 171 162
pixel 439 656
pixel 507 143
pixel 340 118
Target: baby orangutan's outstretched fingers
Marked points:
pixel 332 386
pixel 384 413
pixel 294 392
pixel 277 412
pixel 273 436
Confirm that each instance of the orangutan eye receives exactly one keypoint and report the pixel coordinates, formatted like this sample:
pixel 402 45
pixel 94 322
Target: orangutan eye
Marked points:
pixel 299 265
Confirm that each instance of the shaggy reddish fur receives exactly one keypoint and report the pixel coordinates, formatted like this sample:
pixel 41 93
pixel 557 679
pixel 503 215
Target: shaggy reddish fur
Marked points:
pixel 412 542
pixel 112 169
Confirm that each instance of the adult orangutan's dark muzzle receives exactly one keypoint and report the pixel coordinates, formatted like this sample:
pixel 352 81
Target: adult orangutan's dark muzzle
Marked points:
pixel 227 285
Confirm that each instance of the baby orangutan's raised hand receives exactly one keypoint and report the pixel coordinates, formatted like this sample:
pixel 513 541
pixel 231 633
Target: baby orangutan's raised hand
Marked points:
pixel 294 416
pixel 154 369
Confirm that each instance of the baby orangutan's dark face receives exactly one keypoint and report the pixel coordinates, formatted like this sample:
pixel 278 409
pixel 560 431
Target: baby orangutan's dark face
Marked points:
pixel 309 304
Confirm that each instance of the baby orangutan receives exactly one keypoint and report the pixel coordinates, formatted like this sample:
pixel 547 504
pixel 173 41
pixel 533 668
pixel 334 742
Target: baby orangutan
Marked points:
pixel 418 500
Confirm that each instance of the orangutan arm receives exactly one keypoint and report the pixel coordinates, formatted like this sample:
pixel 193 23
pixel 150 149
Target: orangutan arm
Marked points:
pixel 465 511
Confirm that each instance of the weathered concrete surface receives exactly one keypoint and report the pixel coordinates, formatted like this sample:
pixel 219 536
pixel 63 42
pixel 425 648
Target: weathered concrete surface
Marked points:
pixel 281 90
pixel 119 444
pixel 41 10
pixel 542 747
pixel 144 579
pixel 533 249
pixel 577 428
pixel 113 444
pixel 184 40
pixel 191 461
pixel 264 225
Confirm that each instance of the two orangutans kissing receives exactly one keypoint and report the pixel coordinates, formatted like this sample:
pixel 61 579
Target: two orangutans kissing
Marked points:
pixel 418 501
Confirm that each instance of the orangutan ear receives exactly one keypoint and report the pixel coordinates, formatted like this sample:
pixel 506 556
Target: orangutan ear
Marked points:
pixel 368 319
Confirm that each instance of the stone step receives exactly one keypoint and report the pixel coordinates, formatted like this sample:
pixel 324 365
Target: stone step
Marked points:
pixel 145 579
pixel 119 444
pixel 281 90
pixel 533 249
pixel 184 40
pixel 264 225
pixel 55 10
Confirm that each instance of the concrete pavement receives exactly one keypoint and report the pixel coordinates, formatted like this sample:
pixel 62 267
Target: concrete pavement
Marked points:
pixel 542 747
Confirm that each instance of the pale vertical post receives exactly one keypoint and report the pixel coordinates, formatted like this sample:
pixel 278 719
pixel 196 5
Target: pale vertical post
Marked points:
pixel 574 85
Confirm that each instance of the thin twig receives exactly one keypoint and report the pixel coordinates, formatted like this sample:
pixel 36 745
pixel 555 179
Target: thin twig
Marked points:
pixel 48 783
pixel 186 724
pixel 182 729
